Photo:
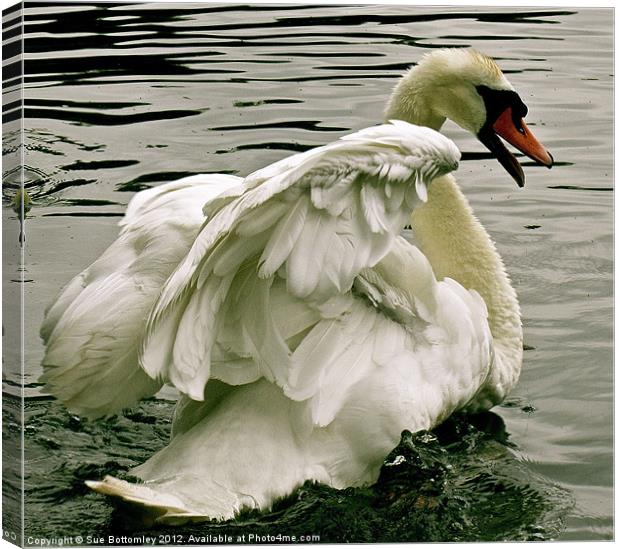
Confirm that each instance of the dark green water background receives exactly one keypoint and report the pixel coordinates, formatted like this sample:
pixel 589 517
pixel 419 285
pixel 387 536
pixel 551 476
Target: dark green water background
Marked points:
pixel 121 97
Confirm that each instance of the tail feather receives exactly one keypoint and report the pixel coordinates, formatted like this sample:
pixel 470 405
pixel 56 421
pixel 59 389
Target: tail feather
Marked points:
pixel 150 506
pixel 164 502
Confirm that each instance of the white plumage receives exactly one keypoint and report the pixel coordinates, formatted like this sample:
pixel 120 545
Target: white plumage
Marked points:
pixel 281 235
pixel 93 328
pixel 304 331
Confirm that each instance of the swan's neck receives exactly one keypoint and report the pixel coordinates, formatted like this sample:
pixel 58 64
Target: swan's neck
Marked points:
pixel 413 101
pixel 446 230
pixel 458 246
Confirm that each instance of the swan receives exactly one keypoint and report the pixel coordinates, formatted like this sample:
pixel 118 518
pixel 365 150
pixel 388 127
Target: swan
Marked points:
pixel 303 331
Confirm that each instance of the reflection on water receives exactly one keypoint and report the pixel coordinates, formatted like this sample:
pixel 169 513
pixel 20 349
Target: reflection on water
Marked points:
pixel 122 97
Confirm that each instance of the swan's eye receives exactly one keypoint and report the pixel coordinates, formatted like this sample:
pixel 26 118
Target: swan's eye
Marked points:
pixel 517 120
pixel 497 101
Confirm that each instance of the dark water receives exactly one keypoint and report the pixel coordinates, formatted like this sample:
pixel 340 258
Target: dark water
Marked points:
pixel 122 97
pixel 461 483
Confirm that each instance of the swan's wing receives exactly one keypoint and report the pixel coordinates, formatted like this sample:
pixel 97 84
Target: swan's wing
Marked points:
pixel 312 222
pixel 92 330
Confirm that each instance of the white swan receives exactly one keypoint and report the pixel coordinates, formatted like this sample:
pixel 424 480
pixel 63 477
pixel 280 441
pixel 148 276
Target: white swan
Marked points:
pixel 304 332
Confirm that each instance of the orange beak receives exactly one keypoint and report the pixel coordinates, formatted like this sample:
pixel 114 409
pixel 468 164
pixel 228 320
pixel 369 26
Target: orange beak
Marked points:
pixel 515 132
pixel 520 137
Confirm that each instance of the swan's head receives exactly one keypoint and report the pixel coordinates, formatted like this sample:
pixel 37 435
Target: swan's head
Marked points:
pixel 468 88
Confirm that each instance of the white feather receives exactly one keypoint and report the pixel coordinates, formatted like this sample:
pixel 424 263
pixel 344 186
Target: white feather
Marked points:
pixel 93 330
pixel 283 239
pixel 373 204
pixel 420 187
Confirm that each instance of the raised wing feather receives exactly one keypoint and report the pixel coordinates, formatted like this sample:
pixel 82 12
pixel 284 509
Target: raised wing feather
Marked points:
pixel 314 222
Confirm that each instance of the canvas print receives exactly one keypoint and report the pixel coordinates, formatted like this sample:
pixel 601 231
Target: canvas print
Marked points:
pixel 304 273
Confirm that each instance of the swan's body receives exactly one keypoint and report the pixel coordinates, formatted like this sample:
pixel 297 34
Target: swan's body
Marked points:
pixel 303 330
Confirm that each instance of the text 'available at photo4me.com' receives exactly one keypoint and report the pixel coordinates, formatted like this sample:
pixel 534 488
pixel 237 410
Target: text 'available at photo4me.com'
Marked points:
pixel 168 539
